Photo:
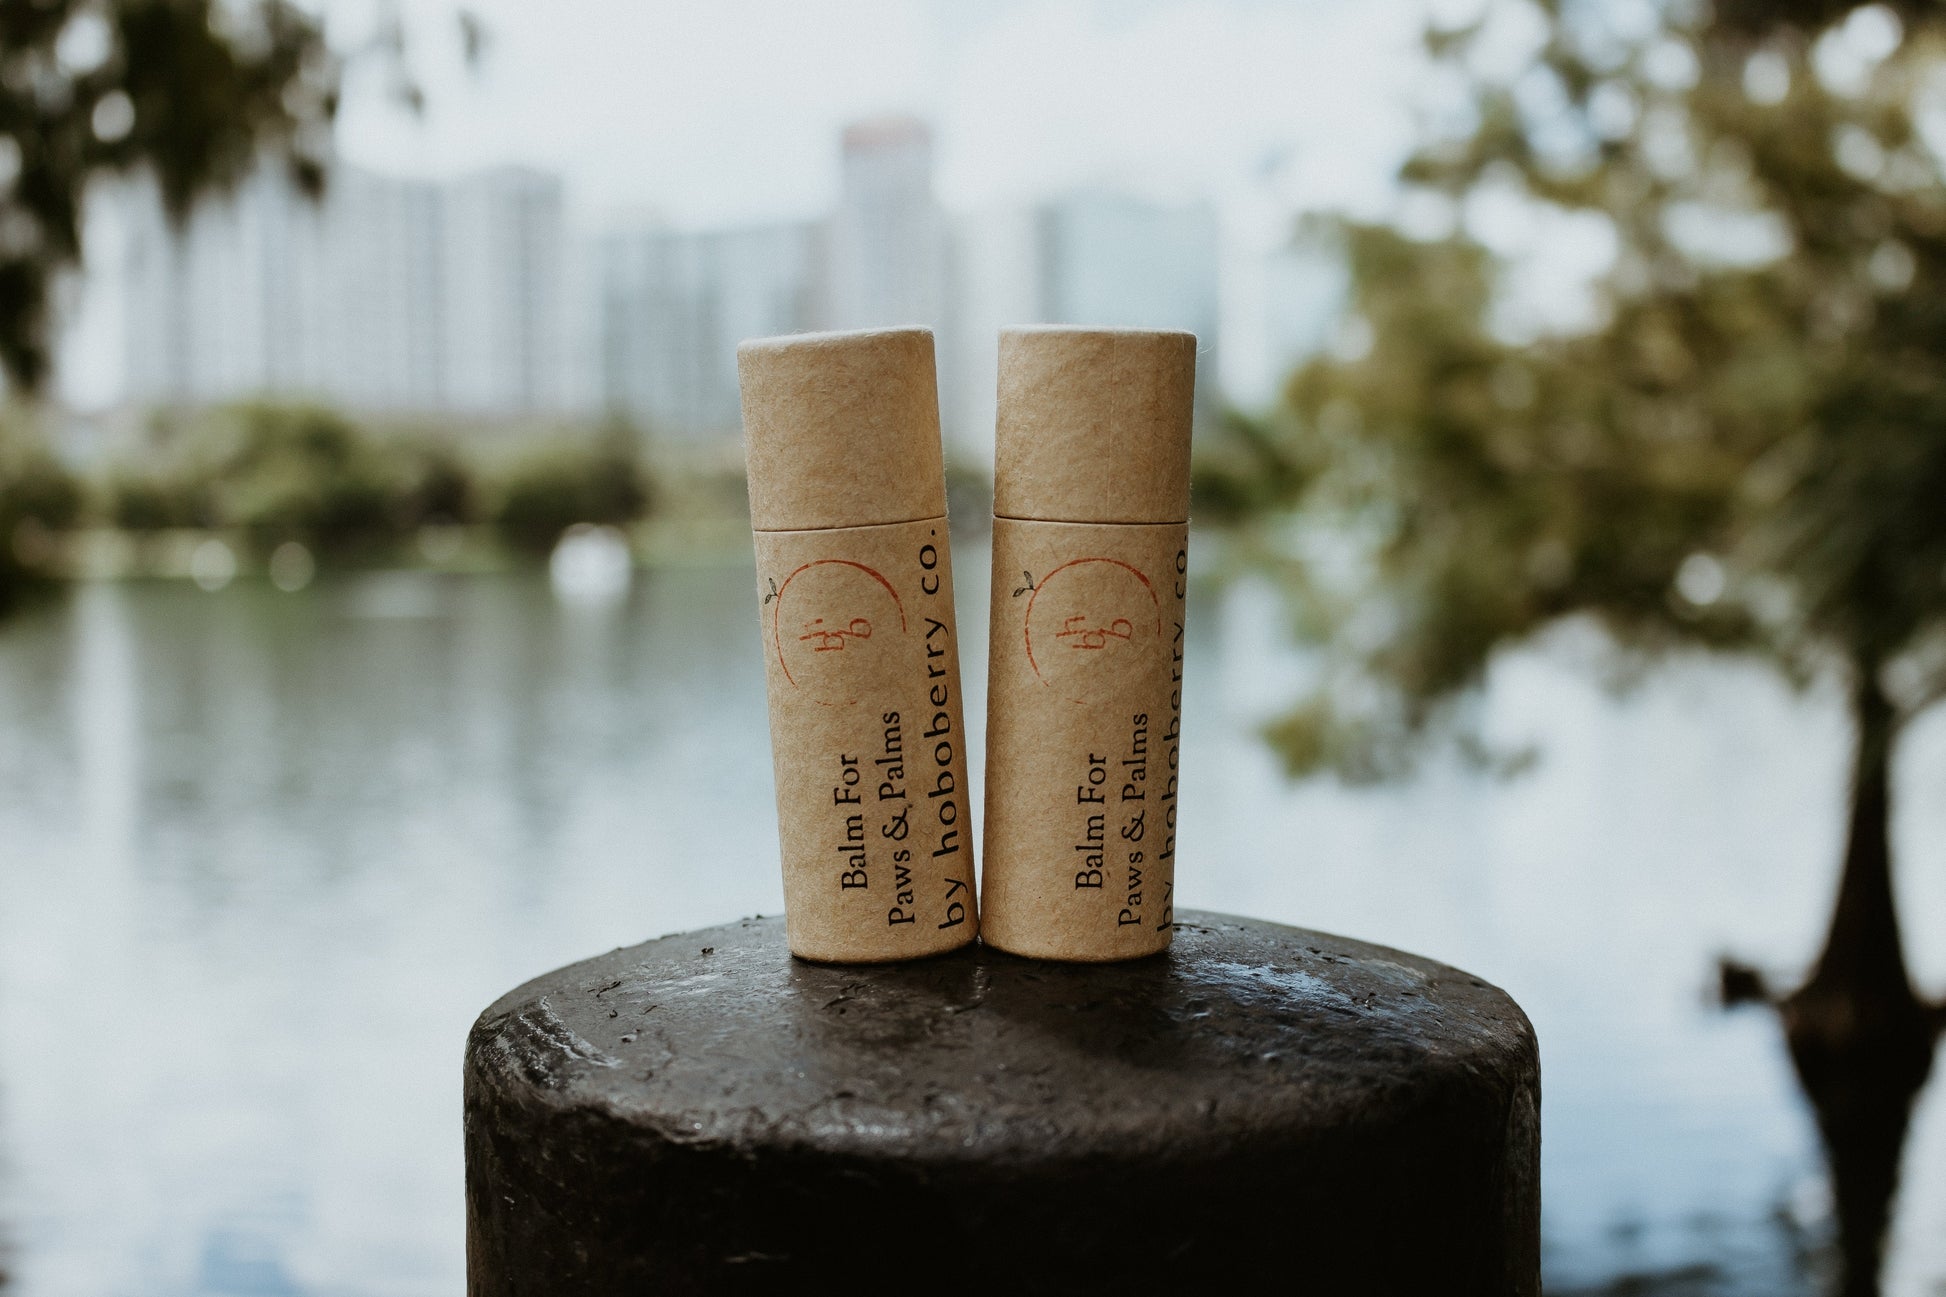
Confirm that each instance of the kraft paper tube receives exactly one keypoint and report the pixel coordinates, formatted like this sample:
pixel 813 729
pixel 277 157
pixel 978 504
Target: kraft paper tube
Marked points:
pixel 861 654
pixel 1084 700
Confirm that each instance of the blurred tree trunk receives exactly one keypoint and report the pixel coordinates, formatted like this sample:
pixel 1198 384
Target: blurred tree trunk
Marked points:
pixel 1864 957
pixel 1861 1040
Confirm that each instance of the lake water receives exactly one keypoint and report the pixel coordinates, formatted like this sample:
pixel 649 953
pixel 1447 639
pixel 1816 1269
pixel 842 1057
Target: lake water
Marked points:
pixel 263 857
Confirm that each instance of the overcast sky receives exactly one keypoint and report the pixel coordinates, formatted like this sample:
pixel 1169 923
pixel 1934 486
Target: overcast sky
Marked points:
pixel 729 109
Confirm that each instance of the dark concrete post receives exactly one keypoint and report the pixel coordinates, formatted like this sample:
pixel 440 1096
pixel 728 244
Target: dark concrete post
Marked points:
pixel 1262 1108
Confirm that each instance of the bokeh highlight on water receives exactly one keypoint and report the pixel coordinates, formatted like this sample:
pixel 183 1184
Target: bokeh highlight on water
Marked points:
pixel 263 856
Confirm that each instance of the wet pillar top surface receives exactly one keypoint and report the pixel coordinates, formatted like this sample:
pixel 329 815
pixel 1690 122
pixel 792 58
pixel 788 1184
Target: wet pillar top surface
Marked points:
pixel 1260 1102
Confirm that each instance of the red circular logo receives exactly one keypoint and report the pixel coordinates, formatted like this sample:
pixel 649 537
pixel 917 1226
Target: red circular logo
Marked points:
pixel 1084 621
pixel 833 621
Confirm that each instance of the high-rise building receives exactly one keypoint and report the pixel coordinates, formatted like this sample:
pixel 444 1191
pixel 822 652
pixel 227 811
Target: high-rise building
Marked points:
pixel 388 294
pixel 996 282
pixel 383 295
pixel 506 305
pixel 265 292
pixel 1090 259
pixel 209 310
pixel 675 304
pixel 888 236
pixel 1113 259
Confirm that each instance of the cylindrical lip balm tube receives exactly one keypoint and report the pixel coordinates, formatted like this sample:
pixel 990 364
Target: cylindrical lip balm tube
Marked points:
pixel 1084 694
pixel 861 651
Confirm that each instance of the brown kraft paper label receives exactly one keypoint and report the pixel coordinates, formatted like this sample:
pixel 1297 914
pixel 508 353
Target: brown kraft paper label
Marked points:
pixel 1084 737
pixel 861 662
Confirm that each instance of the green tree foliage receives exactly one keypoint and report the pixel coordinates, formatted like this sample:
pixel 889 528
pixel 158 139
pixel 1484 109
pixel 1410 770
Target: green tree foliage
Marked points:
pixel 557 485
pixel 38 498
pixel 278 472
pixel 1747 451
pixel 195 91
pixel 295 473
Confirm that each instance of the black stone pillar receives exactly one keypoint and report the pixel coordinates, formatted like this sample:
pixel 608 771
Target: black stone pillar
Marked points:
pixel 1261 1108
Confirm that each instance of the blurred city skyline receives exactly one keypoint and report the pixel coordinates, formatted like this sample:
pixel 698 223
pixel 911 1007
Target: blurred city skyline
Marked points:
pixel 477 299
pixel 682 124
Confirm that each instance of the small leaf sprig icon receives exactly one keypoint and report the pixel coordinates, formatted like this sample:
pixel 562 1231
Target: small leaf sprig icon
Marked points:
pixel 1028 577
pixel 771 581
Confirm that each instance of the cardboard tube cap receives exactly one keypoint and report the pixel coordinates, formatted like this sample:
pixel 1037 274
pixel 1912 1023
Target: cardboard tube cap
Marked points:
pixel 1094 425
pixel 841 429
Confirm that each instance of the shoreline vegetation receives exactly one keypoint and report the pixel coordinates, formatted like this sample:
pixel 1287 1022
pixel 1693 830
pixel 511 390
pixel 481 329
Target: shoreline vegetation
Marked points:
pixel 286 491
pixel 289 491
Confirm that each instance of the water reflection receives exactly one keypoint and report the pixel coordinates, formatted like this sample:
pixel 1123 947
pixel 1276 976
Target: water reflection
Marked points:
pixel 265 855
pixel 1861 1074
pixel 1861 1040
